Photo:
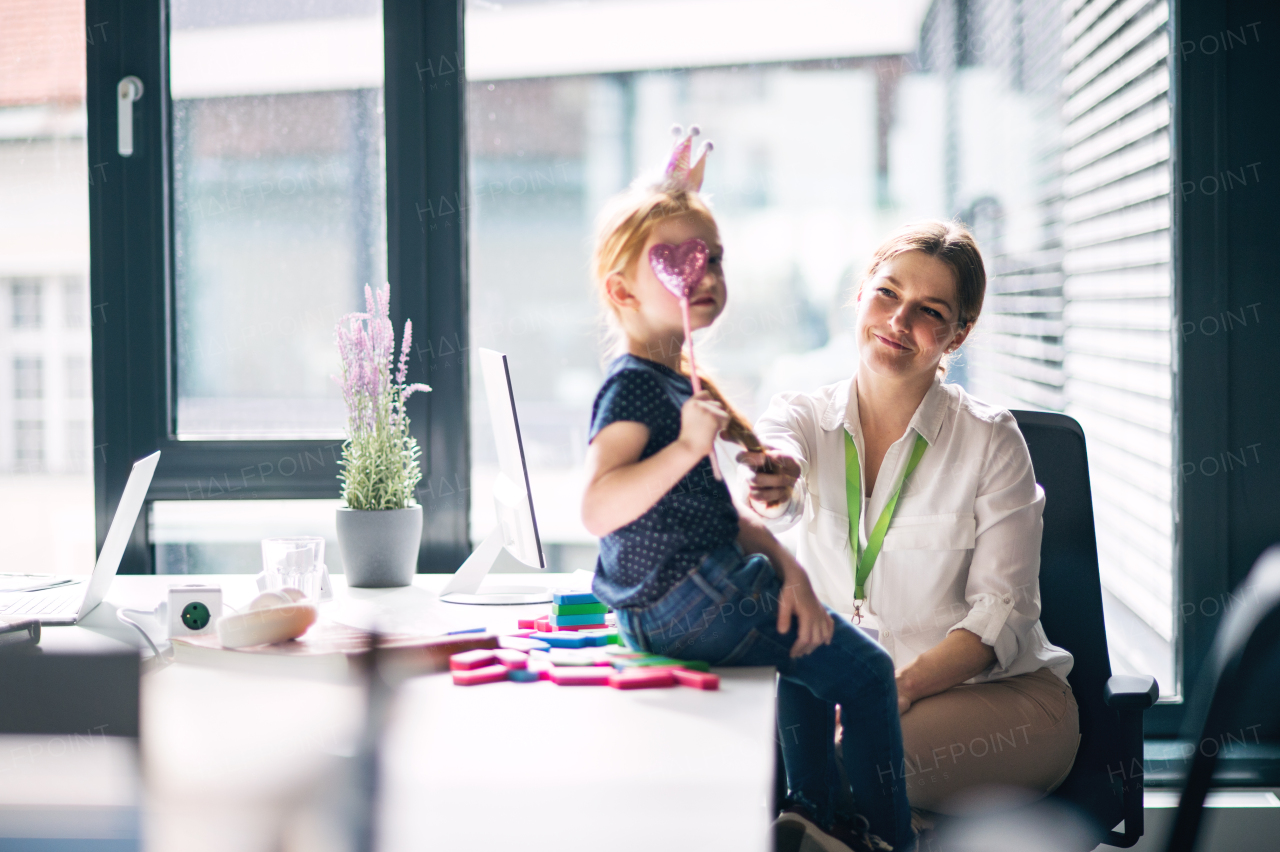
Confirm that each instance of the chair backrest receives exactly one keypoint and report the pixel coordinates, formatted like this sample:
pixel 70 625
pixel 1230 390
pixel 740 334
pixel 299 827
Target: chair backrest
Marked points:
pixel 1071 607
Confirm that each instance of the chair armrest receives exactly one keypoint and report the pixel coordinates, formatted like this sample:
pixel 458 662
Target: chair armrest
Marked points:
pixel 1130 696
pixel 1136 691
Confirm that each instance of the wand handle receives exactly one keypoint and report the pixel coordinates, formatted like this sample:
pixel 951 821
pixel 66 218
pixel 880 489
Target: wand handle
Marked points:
pixel 693 376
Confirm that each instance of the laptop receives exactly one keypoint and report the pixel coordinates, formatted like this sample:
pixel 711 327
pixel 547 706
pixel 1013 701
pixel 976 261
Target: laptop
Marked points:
pixel 68 603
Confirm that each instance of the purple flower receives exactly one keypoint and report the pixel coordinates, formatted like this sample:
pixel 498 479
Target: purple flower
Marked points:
pixel 374 396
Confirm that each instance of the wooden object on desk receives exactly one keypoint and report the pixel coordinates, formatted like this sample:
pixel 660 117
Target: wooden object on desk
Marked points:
pixel 329 649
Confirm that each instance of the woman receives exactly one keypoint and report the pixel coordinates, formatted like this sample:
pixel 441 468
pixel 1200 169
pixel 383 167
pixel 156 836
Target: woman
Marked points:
pixel 947 562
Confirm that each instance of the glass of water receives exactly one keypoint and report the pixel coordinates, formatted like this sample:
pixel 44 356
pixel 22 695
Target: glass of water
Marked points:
pixel 296 562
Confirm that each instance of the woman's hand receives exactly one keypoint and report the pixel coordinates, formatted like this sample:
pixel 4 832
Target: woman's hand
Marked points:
pixel 701 420
pixel 904 700
pixel 814 624
pixel 955 659
pixel 773 477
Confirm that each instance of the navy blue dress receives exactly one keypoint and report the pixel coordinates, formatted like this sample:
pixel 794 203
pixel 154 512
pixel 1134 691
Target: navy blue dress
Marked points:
pixel 641 561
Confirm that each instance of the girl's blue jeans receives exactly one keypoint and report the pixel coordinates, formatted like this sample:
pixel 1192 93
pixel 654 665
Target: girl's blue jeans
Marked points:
pixel 726 614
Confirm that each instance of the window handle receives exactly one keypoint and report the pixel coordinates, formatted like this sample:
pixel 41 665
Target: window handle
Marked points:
pixel 127 91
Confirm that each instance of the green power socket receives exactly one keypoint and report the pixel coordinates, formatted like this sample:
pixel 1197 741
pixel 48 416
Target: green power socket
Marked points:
pixel 195 615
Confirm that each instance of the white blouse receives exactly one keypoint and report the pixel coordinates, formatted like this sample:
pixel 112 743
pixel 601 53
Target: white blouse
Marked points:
pixel 963 549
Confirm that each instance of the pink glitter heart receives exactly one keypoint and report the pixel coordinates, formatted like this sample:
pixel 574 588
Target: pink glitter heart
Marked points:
pixel 680 268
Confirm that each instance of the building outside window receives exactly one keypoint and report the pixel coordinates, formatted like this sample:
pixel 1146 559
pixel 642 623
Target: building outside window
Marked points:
pixel 28 445
pixel 26 302
pixel 46 486
pixel 28 378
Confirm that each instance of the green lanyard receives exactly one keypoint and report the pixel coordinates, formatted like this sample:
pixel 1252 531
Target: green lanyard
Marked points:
pixel 853 493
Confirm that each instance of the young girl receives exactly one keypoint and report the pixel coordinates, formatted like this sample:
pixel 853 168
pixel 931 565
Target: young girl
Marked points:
pixel 691 577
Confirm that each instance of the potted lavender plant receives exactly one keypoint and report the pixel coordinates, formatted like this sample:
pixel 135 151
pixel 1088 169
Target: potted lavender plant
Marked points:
pixel 380 527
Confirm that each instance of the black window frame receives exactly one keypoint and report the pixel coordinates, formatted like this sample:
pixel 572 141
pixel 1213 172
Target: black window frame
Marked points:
pixel 131 280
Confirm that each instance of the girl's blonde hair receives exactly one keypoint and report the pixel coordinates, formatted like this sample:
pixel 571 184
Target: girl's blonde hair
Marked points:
pixel 622 230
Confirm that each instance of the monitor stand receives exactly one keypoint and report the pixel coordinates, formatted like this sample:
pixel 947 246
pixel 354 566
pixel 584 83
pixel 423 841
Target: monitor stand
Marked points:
pixel 492 554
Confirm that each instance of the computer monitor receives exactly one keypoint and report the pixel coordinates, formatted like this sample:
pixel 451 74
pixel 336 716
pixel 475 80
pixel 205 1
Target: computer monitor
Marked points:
pixel 513 544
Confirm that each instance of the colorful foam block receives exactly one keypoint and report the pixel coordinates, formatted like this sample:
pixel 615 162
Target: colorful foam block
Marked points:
pixel 521 643
pixel 581 676
pixel 511 658
pixel 621 661
pixel 585 618
pixel 487 674
pixel 569 639
pixel 642 679
pixel 570 598
pixel 542 623
pixel 523 676
pixel 527 623
pixel 576 657
pixel 558 627
pixel 577 609
pixel 470 659
pixel 697 680
pixel 599 640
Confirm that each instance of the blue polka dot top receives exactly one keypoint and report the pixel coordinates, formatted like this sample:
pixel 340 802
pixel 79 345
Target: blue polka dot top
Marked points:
pixel 641 561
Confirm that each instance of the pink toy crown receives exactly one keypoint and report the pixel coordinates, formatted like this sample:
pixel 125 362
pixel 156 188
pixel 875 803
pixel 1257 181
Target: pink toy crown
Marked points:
pixel 682 169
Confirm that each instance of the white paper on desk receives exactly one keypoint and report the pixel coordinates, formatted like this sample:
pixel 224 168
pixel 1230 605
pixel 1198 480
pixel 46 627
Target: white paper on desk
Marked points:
pixel 31 582
pixel 581 579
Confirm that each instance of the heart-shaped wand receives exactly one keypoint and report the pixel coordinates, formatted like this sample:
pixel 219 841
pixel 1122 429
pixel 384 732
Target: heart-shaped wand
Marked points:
pixel 681 269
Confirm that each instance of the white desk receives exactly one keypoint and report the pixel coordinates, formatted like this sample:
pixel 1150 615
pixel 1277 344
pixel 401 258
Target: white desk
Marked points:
pixel 230 757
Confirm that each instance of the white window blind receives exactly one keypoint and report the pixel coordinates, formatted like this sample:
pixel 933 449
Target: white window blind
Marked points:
pixel 1117 293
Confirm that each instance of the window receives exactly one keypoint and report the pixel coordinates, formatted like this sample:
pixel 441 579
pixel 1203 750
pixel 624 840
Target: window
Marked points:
pixel 279 208
pixel 1118 314
pixel 26 303
pixel 28 446
pixel 1053 149
pixel 28 378
pixel 273 176
pixel 550 140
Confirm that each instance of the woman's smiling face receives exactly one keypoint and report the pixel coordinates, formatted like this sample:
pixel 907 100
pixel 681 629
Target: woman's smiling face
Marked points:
pixel 907 316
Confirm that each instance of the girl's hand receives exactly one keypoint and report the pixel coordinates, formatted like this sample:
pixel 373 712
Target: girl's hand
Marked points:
pixel 701 420
pixel 814 623
pixel 773 477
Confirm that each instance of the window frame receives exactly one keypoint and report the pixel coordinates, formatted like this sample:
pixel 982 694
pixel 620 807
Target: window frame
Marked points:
pixel 131 281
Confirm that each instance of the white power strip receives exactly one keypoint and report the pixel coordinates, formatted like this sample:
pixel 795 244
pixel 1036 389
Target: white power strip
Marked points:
pixel 193 610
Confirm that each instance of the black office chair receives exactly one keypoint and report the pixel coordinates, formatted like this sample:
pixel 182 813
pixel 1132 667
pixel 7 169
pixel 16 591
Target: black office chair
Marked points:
pixel 1106 782
pixel 1247 639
